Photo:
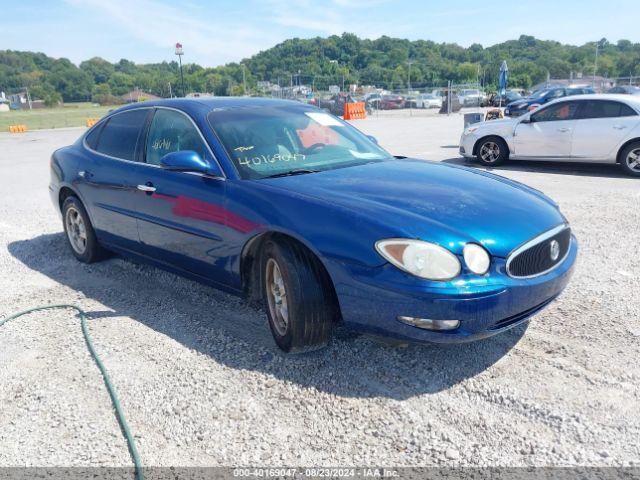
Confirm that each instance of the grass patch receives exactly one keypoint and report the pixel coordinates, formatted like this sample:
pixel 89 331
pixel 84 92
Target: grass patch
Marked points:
pixel 71 115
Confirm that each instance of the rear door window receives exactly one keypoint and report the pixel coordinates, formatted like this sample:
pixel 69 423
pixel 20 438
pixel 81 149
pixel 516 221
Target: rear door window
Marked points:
pixel 120 134
pixel 606 109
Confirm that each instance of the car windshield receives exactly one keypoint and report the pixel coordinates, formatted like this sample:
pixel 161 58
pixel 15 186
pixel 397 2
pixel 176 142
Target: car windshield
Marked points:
pixel 264 141
pixel 539 94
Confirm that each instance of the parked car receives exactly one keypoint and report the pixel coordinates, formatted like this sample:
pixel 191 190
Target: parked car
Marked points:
pixel 541 97
pixel 373 100
pixel 333 104
pixel 296 209
pixel 594 128
pixel 472 98
pixel 391 102
pixel 428 100
pixel 625 90
pixel 456 105
pixel 499 100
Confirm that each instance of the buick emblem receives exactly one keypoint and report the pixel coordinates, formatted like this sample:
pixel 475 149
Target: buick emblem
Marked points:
pixel 554 250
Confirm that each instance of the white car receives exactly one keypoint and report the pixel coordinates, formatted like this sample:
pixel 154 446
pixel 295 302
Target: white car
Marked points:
pixel 472 98
pixel 583 128
pixel 428 100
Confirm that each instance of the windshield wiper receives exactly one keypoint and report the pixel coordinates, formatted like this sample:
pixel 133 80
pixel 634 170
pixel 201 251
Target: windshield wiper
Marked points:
pixel 289 173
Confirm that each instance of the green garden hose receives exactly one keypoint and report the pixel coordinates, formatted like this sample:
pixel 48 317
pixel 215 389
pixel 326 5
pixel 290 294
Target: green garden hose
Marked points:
pixel 107 381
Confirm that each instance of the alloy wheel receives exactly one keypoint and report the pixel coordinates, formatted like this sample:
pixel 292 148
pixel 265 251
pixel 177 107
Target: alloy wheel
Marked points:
pixel 76 230
pixel 277 297
pixel 633 160
pixel 490 152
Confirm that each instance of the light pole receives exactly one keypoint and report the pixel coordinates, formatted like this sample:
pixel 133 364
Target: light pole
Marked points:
pixel 179 53
pixel 595 66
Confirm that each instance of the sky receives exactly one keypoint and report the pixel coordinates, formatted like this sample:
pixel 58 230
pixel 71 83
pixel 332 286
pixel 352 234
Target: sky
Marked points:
pixel 220 31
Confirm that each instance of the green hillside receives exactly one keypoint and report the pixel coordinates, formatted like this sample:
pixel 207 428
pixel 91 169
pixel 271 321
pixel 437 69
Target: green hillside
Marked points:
pixel 320 62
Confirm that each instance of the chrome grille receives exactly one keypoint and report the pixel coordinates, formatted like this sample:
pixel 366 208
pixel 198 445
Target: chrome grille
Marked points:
pixel 541 254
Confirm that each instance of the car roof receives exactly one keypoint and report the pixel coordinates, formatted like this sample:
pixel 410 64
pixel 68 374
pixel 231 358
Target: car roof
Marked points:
pixel 206 104
pixel 631 100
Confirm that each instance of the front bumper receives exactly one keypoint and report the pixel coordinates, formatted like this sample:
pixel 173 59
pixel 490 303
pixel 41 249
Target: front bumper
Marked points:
pixel 467 142
pixel 371 299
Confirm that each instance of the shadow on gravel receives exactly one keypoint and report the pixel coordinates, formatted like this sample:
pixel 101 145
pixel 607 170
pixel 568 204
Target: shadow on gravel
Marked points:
pixel 236 335
pixel 556 168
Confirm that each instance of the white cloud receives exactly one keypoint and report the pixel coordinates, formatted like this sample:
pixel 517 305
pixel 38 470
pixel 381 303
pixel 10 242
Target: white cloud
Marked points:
pixel 211 41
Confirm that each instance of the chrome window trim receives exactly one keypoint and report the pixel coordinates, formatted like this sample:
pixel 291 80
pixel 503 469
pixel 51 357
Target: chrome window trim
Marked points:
pixel 534 241
pixel 150 107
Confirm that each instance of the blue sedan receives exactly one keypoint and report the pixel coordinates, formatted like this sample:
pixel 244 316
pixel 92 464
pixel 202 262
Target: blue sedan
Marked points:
pixel 300 212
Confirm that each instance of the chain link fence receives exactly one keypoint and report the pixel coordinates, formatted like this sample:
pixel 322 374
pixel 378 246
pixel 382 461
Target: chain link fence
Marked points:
pixel 331 92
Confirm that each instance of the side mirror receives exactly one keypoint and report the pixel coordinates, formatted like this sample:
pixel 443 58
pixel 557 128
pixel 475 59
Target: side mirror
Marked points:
pixel 188 161
pixel 526 120
pixel 373 139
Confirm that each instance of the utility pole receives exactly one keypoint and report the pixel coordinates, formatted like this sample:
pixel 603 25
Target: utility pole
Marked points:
pixel 409 86
pixel 179 53
pixel 595 65
pixel 244 81
pixel 28 98
pixel 170 92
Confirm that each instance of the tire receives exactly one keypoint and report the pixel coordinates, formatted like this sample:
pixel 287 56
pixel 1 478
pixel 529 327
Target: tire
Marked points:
pixel 79 232
pixel 492 151
pixel 630 159
pixel 293 279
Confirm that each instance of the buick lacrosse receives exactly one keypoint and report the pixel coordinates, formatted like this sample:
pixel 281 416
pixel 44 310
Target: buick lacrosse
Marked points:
pixel 300 212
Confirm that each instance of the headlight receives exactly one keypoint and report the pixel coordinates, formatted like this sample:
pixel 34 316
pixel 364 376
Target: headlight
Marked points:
pixel 422 259
pixel 476 258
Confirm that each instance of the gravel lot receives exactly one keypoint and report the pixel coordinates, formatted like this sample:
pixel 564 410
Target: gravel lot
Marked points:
pixel 202 383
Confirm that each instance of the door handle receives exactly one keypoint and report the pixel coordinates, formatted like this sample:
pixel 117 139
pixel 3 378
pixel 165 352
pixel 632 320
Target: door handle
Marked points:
pixel 619 127
pixel 564 129
pixel 148 188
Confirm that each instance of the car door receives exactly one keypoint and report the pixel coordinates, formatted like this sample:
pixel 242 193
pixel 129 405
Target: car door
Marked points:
pixel 600 129
pixel 181 215
pixel 108 176
pixel 547 133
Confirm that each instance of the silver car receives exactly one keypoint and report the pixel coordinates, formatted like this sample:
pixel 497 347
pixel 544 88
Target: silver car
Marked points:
pixel 583 128
pixel 428 100
pixel 472 98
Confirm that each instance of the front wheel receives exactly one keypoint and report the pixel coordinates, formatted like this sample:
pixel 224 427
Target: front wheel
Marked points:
pixel 298 297
pixel 492 151
pixel 630 159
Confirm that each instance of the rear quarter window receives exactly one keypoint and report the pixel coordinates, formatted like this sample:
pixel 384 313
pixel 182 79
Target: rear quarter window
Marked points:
pixel 92 137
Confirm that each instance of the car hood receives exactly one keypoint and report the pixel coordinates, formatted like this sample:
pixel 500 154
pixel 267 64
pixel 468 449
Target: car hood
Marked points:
pixel 502 122
pixel 432 201
pixel 523 101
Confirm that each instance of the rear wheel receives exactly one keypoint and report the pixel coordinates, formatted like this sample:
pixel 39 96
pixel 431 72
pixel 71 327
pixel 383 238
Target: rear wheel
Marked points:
pixel 79 231
pixel 492 151
pixel 300 305
pixel 630 159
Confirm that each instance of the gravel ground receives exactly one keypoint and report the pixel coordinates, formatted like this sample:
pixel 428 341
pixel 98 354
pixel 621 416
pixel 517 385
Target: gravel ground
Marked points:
pixel 202 383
